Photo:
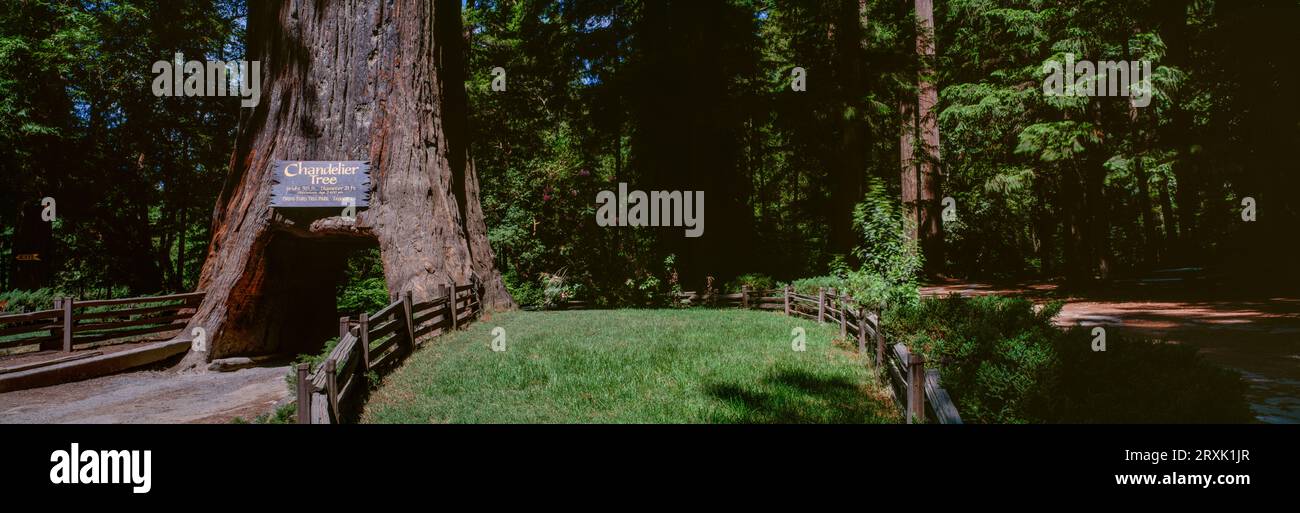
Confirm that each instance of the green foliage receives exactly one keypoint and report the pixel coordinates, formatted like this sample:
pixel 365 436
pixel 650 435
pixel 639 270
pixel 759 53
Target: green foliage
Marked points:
pixel 890 259
pixel 363 288
pixel 1004 361
pixel 313 360
pixel 608 91
pixel 524 291
pixel 132 173
pixel 16 301
pixel 755 281
pixel 810 286
pixel 557 289
pixel 994 353
pixel 285 414
pixel 363 295
pixel 1137 380
pixel 593 101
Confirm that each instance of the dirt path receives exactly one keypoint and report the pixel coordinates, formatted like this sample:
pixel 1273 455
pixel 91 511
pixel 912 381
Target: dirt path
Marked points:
pixel 1259 337
pixel 151 397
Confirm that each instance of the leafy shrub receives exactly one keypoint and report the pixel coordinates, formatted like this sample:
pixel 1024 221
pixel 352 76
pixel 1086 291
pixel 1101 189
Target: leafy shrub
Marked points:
pixel 755 281
pixel 312 360
pixel 994 353
pixel 646 288
pixel 364 289
pixel 524 291
pixel 809 286
pixel 364 295
pixel 1004 362
pixel 1136 380
pixel 890 259
pixel 15 301
pixel 557 289
pixel 285 414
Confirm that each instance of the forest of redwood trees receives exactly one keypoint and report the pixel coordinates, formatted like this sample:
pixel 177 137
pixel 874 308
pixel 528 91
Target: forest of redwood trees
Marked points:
pixel 908 102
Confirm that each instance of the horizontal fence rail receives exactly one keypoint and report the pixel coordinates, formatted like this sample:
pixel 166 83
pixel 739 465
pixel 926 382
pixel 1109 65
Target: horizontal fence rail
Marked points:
pixel 373 344
pixel 77 324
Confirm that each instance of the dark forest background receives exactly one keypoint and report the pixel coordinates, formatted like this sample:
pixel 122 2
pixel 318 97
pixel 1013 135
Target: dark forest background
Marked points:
pixel 696 95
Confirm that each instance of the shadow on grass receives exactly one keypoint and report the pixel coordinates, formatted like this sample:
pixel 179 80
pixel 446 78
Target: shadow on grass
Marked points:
pixel 797 396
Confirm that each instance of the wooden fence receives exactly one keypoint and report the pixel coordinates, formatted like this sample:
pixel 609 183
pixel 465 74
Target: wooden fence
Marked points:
pixel 75 324
pixel 376 343
pixel 917 389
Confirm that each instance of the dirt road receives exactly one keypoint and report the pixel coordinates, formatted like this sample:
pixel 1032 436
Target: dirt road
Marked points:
pixel 151 397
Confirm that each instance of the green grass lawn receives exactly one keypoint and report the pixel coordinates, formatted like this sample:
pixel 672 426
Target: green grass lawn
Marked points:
pixel 634 366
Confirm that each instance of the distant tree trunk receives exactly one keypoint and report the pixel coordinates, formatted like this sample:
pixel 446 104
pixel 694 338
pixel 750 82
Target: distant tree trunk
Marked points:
pixel 345 80
pixel 1045 227
pixel 1150 242
pixel 919 181
pixel 1097 218
pixel 907 160
pixel 1072 215
pixel 1167 218
pixel 930 227
pixel 183 207
pixel 1173 30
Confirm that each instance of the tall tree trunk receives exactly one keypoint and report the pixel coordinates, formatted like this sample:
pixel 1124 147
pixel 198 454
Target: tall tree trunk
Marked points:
pixel 1072 217
pixel 930 229
pixel 907 161
pixel 1098 217
pixel 1167 218
pixel 1173 30
pixel 345 80
pixel 1150 240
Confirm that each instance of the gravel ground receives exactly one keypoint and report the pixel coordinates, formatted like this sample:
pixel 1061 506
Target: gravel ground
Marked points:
pixel 151 397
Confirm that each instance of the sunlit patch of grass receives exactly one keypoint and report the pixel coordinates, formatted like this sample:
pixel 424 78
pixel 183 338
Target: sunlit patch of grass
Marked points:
pixel 634 366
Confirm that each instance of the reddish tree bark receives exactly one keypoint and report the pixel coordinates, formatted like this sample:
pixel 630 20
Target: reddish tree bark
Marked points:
pixel 929 227
pixel 907 159
pixel 345 80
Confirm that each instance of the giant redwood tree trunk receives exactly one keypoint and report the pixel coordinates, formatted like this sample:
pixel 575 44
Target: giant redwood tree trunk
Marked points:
pixel 345 80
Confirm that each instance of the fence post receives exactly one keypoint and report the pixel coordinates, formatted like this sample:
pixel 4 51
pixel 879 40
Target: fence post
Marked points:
pixel 331 387
pixel 407 302
pixel 451 303
pixel 343 326
pixel 862 331
pixel 880 341
pixel 821 305
pixel 55 331
pixel 442 292
pixel 916 388
pixel 744 296
pixel 787 300
pixel 844 314
pixel 478 298
pixel 304 394
pixel 67 325
pixel 363 339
